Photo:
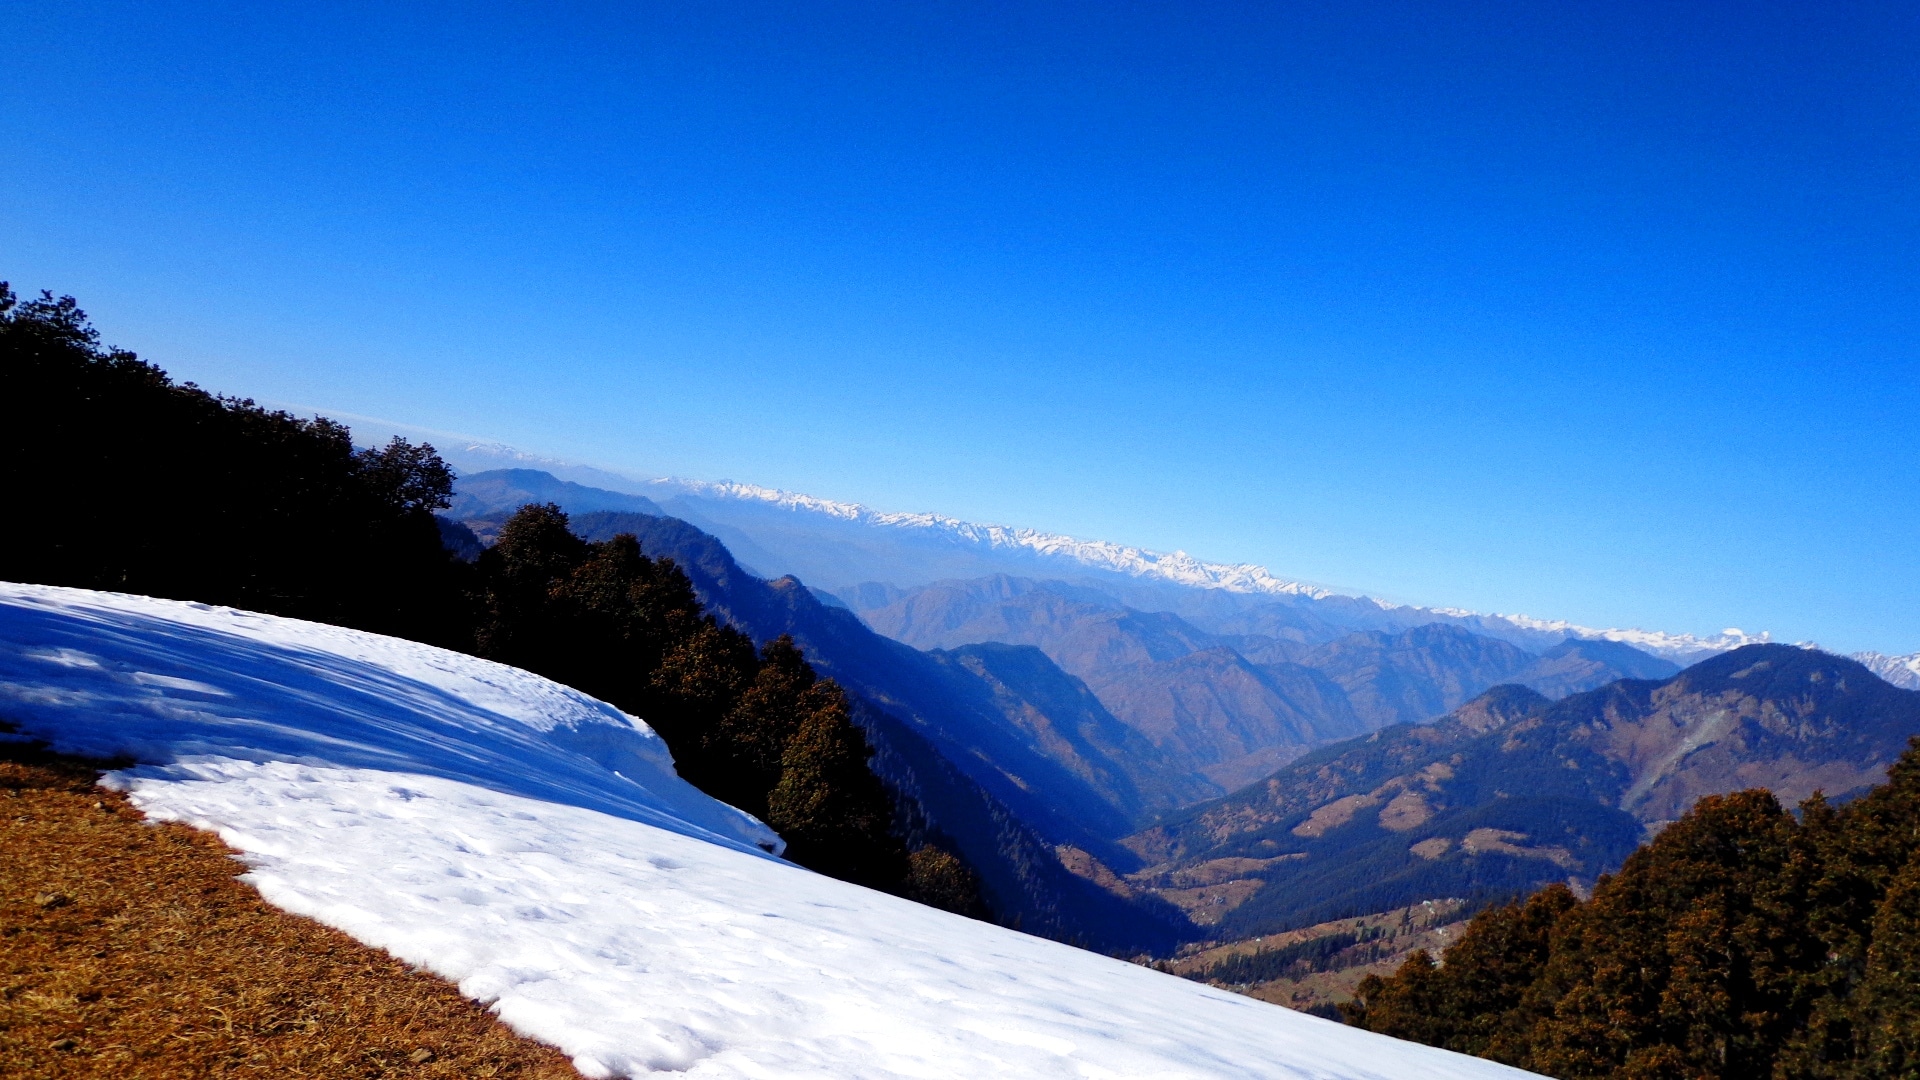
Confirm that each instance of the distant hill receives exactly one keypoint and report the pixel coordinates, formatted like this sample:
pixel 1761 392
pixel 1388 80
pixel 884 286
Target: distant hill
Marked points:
pixel 1067 722
pixel 1579 664
pixel 500 492
pixel 1513 791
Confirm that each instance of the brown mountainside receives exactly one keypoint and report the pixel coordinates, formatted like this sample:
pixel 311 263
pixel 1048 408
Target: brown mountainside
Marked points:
pixel 1223 711
pixel 1511 791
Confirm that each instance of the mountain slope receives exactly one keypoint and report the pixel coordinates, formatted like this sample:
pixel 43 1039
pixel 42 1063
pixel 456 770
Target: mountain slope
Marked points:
pixel 1210 714
pixel 987 782
pixel 1512 791
pixel 1070 725
pixel 1417 674
pixel 635 942
pixel 1579 664
pixel 1223 718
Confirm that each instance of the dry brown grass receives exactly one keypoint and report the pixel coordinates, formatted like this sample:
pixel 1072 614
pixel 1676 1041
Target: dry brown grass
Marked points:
pixel 1433 925
pixel 130 951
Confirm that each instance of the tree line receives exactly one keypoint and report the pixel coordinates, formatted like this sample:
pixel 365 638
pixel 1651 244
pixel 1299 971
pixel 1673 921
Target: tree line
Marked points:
pixel 1744 941
pixel 124 480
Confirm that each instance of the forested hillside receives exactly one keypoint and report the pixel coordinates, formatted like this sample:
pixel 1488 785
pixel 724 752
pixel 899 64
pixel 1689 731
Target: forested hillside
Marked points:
pixel 978 769
pixel 1744 941
pixel 1513 792
pixel 123 480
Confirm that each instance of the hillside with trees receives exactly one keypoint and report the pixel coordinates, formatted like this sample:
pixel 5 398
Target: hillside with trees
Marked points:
pixel 138 484
pixel 1512 792
pixel 127 481
pixel 1744 941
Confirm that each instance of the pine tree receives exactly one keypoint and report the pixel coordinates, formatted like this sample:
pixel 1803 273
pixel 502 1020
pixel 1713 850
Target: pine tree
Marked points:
pixel 939 878
pixel 761 732
pixel 1478 1003
pixel 827 804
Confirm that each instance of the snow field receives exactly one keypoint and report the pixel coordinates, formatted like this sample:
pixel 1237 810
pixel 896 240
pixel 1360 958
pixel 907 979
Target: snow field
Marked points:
pixel 106 674
pixel 532 845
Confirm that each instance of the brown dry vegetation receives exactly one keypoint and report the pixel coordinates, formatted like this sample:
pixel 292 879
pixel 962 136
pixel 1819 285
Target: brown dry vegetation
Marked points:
pixel 1433 925
pixel 131 951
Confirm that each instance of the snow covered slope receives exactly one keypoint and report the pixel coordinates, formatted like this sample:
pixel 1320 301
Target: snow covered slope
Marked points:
pixel 109 675
pixel 533 845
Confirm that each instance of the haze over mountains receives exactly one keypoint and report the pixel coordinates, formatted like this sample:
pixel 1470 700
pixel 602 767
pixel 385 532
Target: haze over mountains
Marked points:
pixel 834 545
pixel 1231 708
pixel 1136 749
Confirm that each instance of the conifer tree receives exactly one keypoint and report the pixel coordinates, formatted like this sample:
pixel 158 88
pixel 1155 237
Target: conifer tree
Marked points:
pixel 761 732
pixel 832 810
pixel 1479 1003
pixel 142 485
pixel 939 878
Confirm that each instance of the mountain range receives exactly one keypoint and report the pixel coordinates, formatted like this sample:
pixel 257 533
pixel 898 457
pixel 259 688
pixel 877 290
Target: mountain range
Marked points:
pixel 1005 778
pixel 1221 690
pixel 835 545
pixel 1512 791
pixel 1130 761
pixel 1227 709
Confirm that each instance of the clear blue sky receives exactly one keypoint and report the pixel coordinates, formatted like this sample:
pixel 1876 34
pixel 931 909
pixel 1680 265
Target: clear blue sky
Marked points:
pixel 1590 311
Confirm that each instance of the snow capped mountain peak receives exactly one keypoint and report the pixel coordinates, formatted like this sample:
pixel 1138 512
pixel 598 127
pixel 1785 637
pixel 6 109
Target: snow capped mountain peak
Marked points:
pixel 1657 642
pixel 1174 568
pixel 1177 567
pixel 1180 568
pixel 1901 671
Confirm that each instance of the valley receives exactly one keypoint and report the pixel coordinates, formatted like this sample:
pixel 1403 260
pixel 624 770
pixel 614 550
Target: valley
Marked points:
pixel 1211 769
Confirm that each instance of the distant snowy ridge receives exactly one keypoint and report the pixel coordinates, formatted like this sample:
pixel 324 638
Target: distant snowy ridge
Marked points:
pixel 1902 671
pixel 1177 568
pixel 1657 642
pixel 1181 568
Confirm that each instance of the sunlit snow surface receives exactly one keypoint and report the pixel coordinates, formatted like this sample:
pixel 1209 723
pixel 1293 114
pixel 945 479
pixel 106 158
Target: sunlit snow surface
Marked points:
pixel 467 817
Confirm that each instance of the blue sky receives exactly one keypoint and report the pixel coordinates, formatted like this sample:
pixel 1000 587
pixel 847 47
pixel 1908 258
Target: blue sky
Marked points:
pixel 1591 311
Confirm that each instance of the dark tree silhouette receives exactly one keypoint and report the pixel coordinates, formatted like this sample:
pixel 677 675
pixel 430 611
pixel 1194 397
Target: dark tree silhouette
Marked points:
pixel 128 481
pixel 140 485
